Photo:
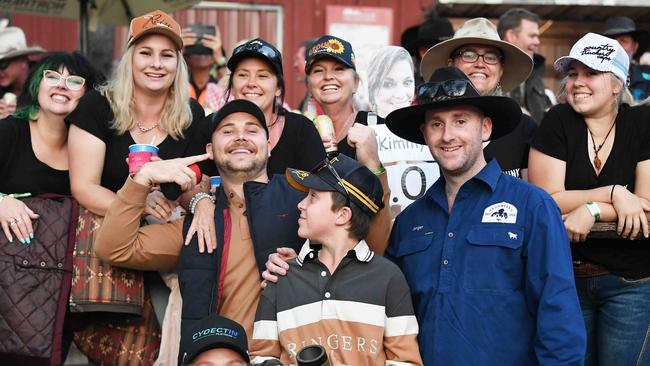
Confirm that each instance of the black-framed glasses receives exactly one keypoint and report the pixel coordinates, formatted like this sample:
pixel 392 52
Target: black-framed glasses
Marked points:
pixel 327 163
pixel 471 56
pixel 73 82
pixel 451 88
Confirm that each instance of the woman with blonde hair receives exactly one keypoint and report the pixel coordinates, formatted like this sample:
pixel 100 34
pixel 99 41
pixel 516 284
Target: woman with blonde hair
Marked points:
pixel 145 102
pixel 591 155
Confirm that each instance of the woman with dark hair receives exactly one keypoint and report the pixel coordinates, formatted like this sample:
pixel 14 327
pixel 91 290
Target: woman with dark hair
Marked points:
pixel 34 140
pixel 256 75
pixel 592 155
pixel 34 151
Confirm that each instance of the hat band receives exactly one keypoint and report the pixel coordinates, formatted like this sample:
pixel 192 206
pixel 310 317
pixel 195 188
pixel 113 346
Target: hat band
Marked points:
pixel 365 200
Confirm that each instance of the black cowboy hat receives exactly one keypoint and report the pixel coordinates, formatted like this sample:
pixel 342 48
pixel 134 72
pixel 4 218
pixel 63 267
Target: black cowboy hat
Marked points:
pixel 432 31
pixel 620 25
pixel 405 122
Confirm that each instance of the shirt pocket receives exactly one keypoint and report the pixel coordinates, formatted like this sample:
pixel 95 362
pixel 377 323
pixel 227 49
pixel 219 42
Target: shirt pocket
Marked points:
pixel 493 261
pixel 417 262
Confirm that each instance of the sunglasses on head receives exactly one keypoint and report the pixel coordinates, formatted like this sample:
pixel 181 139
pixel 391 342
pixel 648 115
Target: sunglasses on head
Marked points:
pixel 450 88
pixel 328 164
pixel 259 47
pixel 72 82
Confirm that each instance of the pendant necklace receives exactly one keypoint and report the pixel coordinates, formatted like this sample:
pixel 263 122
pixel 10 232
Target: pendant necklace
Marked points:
pixel 146 129
pixel 597 162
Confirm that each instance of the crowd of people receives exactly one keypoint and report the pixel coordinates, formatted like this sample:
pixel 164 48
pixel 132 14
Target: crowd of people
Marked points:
pixel 280 247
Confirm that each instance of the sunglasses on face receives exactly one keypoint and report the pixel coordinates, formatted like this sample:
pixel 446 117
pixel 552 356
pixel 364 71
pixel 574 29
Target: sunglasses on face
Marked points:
pixel 327 163
pixel 72 82
pixel 471 56
pixel 5 63
pixel 450 88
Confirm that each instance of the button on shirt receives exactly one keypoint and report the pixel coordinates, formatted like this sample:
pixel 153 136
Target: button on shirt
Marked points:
pixel 492 281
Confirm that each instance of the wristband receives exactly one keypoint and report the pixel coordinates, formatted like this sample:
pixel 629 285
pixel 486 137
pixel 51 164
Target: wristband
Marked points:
pixel 611 194
pixel 198 197
pixel 379 171
pixel 594 210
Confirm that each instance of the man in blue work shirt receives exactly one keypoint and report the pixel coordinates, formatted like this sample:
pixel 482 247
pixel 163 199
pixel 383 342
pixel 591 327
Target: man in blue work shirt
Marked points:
pixel 486 255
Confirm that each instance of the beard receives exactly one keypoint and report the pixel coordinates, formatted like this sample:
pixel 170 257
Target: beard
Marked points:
pixel 247 169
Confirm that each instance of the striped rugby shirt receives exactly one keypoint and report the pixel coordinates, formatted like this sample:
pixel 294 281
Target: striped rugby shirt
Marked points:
pixel 362 312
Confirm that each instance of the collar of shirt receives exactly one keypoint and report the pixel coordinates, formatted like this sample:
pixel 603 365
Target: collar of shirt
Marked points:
pixel 235 201
pixel 309 252
pixel 489 175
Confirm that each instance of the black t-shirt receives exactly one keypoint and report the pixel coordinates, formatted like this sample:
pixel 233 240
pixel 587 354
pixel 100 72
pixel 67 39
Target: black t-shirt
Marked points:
pixel 94 115
pixel 511 150
pixel 300 146
pixel 362 118
pixel 20 169
pixel 563 135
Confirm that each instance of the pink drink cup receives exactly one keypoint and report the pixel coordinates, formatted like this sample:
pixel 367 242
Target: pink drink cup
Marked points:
pixel 140 154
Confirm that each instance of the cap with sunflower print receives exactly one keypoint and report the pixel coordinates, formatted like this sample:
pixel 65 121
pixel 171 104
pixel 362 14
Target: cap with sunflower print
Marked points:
pixel 332 47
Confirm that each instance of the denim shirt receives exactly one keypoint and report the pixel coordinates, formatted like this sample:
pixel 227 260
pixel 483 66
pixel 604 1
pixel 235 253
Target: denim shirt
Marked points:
pixel 492 281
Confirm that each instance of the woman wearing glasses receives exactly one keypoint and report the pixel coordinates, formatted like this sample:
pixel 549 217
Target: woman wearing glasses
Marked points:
pixel 495 67
pixel 256 75
pixel 33 141
pixel 34 160
pixel 592 155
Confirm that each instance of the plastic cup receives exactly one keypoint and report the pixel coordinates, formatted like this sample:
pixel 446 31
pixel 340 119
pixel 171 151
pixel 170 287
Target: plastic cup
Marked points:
pixel 215 183
pixel 140 154
pixel 9 98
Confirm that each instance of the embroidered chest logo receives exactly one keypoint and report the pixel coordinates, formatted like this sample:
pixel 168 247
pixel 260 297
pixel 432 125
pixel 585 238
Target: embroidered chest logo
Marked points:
pixel 502 212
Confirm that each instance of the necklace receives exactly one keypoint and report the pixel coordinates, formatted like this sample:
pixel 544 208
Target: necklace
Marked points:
pixel 597 162
pixel 146 129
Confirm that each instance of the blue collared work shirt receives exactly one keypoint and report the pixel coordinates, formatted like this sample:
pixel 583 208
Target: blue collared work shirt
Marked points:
pixel 492 281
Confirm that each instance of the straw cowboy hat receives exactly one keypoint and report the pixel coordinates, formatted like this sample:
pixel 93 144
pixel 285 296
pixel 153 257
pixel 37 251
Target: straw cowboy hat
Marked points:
pixel 13 44
pixel 481 31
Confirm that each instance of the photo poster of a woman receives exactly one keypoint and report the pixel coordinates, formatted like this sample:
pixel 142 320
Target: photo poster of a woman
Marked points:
pixel 387 83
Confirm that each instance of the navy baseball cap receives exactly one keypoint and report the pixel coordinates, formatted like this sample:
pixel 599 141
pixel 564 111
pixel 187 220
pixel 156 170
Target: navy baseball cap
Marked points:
pixel 257 48
pixel 344 175
pixel 212 332
pixel 332 47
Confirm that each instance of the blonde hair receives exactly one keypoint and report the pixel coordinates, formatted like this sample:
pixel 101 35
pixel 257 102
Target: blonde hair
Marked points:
pixel 176 114
pixel 623 97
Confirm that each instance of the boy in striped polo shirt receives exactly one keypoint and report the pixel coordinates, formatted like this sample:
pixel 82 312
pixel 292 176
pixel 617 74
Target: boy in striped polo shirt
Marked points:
pixel 337 293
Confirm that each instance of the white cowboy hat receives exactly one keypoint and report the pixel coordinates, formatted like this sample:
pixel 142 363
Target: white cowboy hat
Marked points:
pixel 13 44
pixel 481 31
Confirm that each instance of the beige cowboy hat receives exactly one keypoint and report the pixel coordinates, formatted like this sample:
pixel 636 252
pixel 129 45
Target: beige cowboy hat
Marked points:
pixel 481 31
pixel 13 44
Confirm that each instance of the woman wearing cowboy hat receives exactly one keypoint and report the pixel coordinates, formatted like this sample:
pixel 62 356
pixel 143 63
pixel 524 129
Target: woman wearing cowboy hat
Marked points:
pixel 494 67
pixel 591 154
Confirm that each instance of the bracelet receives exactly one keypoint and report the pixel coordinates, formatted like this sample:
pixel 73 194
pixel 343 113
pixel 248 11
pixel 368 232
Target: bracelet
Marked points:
pixel 379 171
pixel 196 198
pixel 594 210
pixel 611 194
pixel 14 195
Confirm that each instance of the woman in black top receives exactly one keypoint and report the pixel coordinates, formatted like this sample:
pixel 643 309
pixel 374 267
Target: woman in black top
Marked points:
pixel 332 80
pixel 256 75
pixel 145 102
pixel 592 156
pixel 33 141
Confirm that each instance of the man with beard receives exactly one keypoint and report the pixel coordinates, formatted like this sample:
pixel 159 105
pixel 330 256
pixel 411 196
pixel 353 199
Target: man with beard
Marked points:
pixel 253 216
pixel 485 254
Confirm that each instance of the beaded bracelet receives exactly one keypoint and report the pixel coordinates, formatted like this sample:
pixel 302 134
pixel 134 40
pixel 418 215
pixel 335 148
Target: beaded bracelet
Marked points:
pixel 198 197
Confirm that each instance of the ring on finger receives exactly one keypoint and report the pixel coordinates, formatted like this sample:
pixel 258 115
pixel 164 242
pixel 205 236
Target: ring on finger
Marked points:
pixel 155 204
pixel 19 219
pixel 12 222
